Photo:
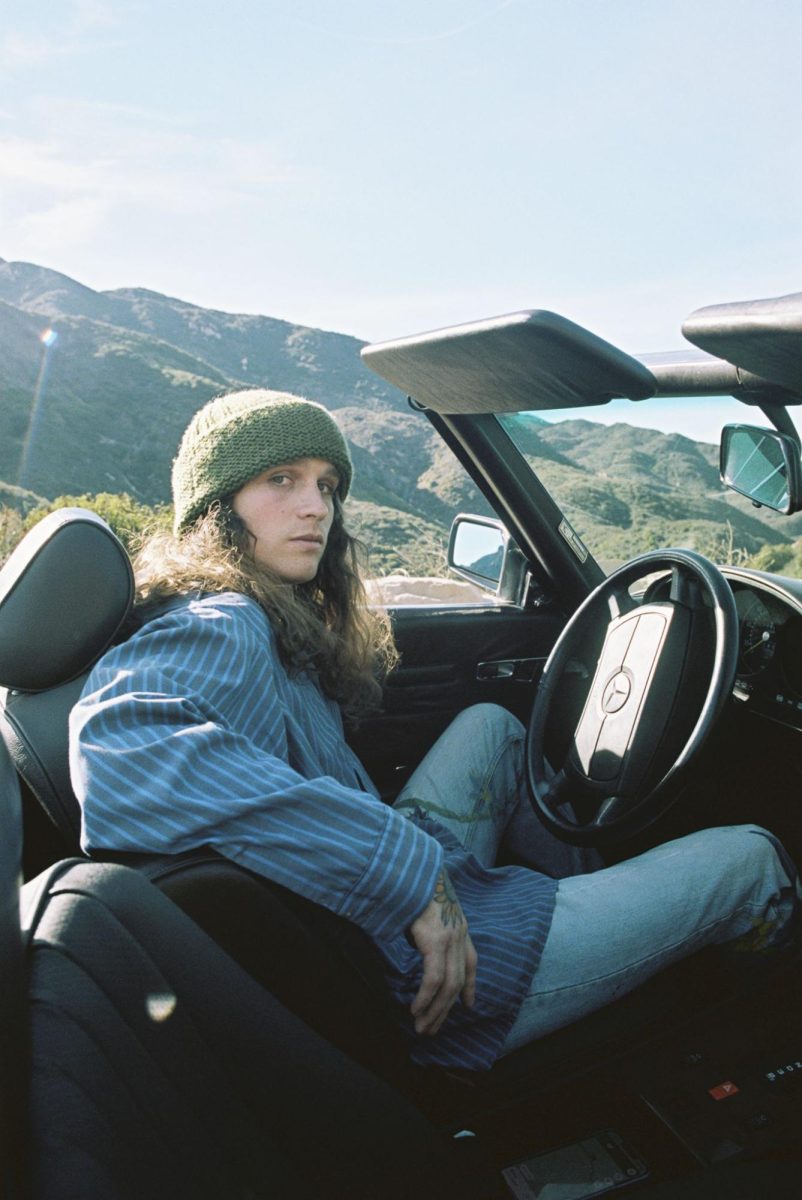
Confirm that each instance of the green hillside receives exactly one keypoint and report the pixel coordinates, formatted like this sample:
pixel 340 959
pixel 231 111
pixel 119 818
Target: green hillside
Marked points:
pixel 100 412
pixel 628 489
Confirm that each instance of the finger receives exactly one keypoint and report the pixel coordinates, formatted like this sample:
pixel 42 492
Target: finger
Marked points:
pixel 433 975
pixel 429 1019
pixel 450 992
pixel 471 962
pixel 452 980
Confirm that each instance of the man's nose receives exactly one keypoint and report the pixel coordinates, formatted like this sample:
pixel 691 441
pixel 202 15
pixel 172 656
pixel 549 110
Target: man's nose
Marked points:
pixel 313 501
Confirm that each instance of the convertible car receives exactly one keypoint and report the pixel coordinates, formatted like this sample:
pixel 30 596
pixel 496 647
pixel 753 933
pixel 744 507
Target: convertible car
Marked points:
pixel 178 1027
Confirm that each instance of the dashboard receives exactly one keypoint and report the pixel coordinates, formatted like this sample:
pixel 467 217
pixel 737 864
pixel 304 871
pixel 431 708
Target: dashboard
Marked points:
pixel 769 672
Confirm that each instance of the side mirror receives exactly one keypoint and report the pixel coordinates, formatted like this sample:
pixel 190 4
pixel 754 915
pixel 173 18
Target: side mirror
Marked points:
pixel 477 550
pixel 763 465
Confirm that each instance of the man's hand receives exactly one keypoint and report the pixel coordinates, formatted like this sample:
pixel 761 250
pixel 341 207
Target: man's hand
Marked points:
pixel 449 958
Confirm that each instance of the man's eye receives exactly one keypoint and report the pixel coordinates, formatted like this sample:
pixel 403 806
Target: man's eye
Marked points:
pixel 278 478
pixel 328 489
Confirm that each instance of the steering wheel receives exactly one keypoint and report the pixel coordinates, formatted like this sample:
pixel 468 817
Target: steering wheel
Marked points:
pixel 663 674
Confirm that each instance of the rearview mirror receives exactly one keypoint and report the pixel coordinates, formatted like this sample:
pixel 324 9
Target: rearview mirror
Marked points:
pixel 763 465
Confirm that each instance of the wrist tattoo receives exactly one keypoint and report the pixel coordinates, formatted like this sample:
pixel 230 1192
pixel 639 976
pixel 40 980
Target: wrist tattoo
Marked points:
pixel 446 897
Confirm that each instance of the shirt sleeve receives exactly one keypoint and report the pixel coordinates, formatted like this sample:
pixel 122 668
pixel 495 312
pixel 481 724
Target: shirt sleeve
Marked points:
pixel 160 763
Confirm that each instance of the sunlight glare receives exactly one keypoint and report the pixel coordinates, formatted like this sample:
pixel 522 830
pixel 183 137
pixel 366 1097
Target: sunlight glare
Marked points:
pixel 48 338
pixel 160 1006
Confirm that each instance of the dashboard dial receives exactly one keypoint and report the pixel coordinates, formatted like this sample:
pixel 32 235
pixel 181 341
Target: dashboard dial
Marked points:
pixel 758 634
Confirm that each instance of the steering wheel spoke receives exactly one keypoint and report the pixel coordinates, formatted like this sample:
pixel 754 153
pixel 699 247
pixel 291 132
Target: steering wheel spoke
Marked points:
pixel 662 676
pixel 611 810
pixel 620 602
pixel 557 792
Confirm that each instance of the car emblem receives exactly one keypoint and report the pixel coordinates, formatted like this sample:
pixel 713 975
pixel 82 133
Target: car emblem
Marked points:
pixel 616 693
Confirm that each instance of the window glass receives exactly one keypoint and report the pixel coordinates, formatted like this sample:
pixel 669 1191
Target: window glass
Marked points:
pixel 636 477
pixel 407 491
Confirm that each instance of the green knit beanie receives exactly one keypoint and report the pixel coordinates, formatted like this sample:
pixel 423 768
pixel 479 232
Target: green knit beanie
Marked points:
pixel 235 437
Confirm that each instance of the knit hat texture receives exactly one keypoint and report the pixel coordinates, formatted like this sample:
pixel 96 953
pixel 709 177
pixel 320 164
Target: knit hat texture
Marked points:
pixel 235 437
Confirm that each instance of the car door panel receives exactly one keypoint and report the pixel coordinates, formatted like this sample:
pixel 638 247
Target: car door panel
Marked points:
pixel 450 659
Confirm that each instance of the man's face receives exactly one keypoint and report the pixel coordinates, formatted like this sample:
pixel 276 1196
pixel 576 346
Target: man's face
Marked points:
pixel 288 510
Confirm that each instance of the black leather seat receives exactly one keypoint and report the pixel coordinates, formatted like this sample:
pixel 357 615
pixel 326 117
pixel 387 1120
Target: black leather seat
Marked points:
pixel 160 1069
pixel 14 1045
pixel 66 595
pixel 137 1059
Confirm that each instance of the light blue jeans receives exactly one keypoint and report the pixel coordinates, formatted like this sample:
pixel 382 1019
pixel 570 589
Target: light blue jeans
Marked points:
pixel 613 927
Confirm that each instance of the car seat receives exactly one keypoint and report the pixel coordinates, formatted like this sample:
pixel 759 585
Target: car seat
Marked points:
pixel 66 595
pixel 13 1018
pixel 137 1059
pixel 161 1069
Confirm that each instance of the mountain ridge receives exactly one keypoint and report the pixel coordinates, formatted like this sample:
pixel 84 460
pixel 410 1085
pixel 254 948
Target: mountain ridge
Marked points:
pixel 100 405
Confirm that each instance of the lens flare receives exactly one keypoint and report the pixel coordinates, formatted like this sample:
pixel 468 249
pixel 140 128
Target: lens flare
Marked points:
pixel 48 339
pixel 160 1006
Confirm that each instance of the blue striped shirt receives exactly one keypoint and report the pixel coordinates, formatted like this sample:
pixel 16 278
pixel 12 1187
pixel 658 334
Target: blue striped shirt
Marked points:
pixel 192 733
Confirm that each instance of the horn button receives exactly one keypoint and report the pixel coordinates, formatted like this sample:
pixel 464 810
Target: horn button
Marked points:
pixel 617 692
pixel 614 709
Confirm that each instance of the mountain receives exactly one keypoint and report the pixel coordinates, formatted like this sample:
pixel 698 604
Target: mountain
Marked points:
pixel 99 405
pixel 627 489
pixel 128 370
pixel 255 351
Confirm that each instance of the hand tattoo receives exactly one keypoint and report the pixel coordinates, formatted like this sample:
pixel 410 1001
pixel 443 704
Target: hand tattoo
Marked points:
pixel 446 897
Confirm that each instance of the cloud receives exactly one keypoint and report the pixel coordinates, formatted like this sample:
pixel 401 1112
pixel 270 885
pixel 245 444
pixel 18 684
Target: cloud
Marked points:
pixel 105 163
pixel 42 164
pixel 68 222
pixel 85 26
pixel 462 20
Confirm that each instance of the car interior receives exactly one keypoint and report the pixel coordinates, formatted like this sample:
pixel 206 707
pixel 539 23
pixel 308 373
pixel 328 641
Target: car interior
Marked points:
pixel 179 1026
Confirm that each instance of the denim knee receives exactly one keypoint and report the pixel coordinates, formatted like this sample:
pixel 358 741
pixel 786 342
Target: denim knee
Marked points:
pixel 495 717
pixel 751 842
pixel 748 858
pixel 772 849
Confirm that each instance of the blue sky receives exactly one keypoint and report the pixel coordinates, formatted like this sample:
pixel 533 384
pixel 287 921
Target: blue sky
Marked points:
pixel 383 168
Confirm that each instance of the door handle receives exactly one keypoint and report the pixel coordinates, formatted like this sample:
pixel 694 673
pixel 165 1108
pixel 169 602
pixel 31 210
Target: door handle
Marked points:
pixel 522 670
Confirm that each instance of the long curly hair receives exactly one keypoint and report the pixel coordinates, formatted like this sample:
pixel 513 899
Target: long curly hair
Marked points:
pixel 323 626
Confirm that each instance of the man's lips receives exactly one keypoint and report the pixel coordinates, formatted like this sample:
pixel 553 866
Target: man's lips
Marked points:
pixel 314 539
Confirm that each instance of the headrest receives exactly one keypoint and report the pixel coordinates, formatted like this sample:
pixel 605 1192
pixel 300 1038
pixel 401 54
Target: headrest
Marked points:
pixel 65 593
